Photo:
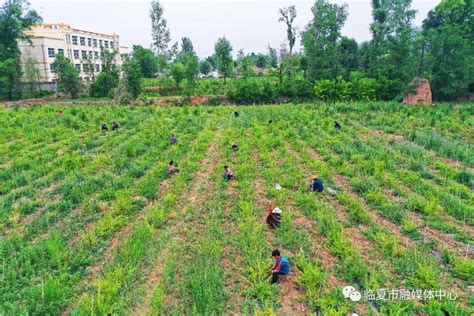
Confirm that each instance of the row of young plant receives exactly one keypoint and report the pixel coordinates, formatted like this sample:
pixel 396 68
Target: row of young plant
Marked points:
pixel 77 175
pixel 411 171
pixel 61 258
pixel 99 174
pixel 412 270
pixel 196 285
pixel 384 206
pixel 119 283
pixel 444 128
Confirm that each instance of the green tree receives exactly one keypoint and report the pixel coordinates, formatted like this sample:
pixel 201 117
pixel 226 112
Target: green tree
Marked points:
pixel 205 67
pixel 288 15
pixel 159 30
pixel 32 75
pixel 178 72
pixel 223 58
pixel 272 57
pixel 186 45
pixel 191 63
pixel 132 77
pixel 147 60
pixel 68 78
pixel 108 79
pixel 320 39
pixel 348 49
pixel 15 18
pixel 390 47
pixel 449 34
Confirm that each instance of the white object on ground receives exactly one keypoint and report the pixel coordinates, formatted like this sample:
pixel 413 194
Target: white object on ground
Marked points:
pixel 277 210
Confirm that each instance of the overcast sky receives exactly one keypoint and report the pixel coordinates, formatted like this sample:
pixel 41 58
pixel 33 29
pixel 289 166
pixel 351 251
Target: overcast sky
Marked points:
pixel 251 25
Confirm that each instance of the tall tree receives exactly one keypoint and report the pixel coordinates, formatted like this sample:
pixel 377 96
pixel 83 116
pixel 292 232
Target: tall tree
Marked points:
pixel 288 15
pixel 191 63
pixel 320 39
pixel 32 75
pixel 449 35
pixel 205 67
pixel 132 78
pixel 178 72
pixel 109 78
pixel 223 57
pixel 68 78
pixel 348 48
pixel 391 29
pixel 186 45
pixel 15 18
pixel 147 60
pixel 159 30
pixel 272 57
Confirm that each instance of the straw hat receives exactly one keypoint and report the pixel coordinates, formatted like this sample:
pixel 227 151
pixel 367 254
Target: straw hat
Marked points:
pixel 277 210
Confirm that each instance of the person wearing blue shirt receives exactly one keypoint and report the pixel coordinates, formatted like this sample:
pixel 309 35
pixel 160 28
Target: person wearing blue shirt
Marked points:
pixel 317 185
pixel 280 267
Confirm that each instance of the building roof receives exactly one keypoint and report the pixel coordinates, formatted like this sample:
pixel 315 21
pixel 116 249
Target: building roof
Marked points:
pixel 64 26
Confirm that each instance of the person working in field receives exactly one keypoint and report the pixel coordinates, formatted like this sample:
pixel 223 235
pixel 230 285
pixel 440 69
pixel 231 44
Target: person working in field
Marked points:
pixel 280 267
pixel 115 126
pixel 172 169
pixel 235 147
pixel 104 127
pixel 337 125
pixel 317 185
pixel 173 139
pixel 229 174
pixel 274 216
pixel 236 114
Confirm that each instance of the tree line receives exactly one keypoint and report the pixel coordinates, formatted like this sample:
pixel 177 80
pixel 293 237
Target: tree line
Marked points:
pixel 329 66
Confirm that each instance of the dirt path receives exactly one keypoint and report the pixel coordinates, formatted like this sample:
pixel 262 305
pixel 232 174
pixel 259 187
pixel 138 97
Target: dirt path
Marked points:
pixel 200 191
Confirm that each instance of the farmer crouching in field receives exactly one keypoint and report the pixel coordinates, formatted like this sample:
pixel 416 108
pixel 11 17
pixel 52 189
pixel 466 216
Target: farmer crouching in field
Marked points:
pixel 229 175
pixel 104 127
pixel 173 139
pixel 280 267
pixel 317 185
pixel 337 125
pixel 235 147
pixel 274 216
pixel 172 169
pixel 115 126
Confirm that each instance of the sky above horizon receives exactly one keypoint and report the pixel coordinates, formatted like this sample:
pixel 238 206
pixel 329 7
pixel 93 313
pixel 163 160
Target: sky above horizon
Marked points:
pixel 250 25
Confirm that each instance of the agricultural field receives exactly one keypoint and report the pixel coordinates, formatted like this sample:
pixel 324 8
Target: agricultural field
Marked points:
pixel 92 225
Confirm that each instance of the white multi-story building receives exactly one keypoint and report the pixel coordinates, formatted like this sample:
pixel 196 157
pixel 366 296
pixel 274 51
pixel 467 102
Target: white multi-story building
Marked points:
pixel 84 48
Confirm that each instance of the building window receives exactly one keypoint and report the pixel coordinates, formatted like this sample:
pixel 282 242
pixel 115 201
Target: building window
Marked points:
pixel 76 54
pixel 60 51
pixel 101 44
pixel 112 44
pixel 84 54
pixel 95 42
pixel 74 40
pixel 89 42
pixel 90 54
pixel 69 53
pixel 97 68
pixel 68 39
pixel 106 44
pixel 96 55
pixel 51 52
pixel 85 67
pixel 83 41
pixel 78 66
pixel 52 69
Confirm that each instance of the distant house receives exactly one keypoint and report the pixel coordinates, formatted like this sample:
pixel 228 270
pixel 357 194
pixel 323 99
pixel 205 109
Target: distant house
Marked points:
pixel 82 47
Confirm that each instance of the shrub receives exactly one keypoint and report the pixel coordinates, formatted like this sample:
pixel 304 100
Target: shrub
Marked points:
pixel 104 84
